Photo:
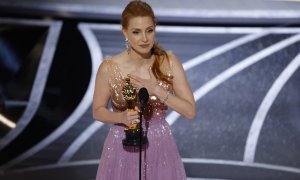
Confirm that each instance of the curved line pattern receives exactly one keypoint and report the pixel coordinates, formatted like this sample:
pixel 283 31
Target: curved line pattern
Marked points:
pixel 226 30
pixel 79 141
pixel 242 65
pixel 222 49
pixel 202 30
pixel 210 30
pixel 21 21
pixel 78 112
pixel 94 48
pixel 184 160
pixel 241 163
pixel 260 116
pixel 218 13
pixel 172 12
pixel 173 116
pixel 52 166
pixel 210 85
pixel 40 78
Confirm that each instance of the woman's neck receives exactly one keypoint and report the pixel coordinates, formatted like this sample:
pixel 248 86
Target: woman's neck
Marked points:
pixel 140 59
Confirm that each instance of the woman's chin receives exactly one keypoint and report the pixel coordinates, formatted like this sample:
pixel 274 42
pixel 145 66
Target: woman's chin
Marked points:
pixel 143 52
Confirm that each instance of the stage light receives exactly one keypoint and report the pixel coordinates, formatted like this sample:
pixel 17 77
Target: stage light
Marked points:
pixel 7 122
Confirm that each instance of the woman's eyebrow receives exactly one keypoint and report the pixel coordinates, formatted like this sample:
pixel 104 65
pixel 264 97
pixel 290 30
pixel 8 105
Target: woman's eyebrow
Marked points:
pixel 140 28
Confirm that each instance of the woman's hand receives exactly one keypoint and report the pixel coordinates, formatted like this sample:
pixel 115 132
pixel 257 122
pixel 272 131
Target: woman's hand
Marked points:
pixel 149 84
pixel 130 117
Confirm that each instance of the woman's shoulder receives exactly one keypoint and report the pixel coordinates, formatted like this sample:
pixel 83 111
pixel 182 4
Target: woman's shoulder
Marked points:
pixel 111 63
pixel 172 56
pixel 106 63
pixel 109 60
pixel 115 59
pixel 173 59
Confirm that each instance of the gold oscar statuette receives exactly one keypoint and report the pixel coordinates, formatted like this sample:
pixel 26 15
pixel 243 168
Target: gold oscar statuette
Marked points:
pixel 134 135
pixel 130 96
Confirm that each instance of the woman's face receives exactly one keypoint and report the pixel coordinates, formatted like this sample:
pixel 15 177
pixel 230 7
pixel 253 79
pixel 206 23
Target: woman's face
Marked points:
pixel 141 34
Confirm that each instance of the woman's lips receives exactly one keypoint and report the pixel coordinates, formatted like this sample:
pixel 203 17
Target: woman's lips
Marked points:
pixel 144 45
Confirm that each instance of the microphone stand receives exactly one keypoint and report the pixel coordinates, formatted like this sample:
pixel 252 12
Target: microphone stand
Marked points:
pixel 143 97
pixel 141 137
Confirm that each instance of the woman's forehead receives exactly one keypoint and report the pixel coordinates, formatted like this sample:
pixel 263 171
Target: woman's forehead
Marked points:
pixel 140 22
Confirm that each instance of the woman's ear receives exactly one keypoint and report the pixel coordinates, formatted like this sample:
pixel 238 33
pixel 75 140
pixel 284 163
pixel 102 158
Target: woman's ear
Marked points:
pixel 125 33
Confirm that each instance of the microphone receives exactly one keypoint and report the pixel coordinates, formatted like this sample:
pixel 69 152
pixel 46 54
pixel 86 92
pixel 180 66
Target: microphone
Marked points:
pixel 143 97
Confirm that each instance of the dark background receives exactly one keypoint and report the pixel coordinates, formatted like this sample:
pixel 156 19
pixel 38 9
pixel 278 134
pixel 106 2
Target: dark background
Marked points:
pixel 50 51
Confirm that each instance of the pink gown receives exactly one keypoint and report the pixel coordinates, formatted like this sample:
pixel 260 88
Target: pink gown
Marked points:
pixel 160 157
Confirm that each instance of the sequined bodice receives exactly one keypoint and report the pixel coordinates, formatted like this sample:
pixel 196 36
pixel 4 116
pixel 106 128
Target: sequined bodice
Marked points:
pixel 154 108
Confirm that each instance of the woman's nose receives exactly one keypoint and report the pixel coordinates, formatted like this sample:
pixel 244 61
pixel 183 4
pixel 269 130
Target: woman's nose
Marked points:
pixel 145 38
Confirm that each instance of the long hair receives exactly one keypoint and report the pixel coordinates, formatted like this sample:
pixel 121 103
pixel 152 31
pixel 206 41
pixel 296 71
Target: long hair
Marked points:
pixel 139 8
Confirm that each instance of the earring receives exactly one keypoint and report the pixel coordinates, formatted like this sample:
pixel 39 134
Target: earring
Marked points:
pixel 127 45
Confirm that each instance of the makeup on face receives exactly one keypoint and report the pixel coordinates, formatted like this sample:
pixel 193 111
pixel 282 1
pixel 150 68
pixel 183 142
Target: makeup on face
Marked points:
pixel 141 33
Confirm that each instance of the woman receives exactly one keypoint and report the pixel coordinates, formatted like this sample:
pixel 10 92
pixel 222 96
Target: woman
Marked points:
pixel 162 74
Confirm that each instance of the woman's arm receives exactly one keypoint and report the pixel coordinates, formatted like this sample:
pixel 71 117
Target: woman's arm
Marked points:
pixel 101 98
pixel 183 100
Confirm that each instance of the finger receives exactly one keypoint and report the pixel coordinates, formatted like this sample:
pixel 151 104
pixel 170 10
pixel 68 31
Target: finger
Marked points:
pixel 135 121
pixel 136 78
pixel 152 77
pixel 150 72
pixel 137 109
pixel 135 82
pixel 132 113
pixel 134 117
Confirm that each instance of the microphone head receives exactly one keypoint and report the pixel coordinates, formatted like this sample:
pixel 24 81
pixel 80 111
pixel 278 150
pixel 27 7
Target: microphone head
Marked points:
pixel 143 95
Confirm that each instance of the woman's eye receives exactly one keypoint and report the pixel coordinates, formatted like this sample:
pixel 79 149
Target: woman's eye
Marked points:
pixel 135 32
pixel 150 30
